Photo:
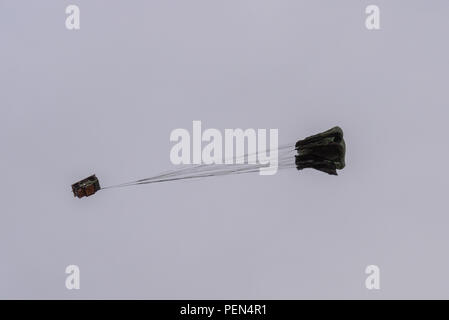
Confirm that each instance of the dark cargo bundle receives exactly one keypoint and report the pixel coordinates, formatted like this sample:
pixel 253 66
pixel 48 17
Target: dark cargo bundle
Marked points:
pixel 86 187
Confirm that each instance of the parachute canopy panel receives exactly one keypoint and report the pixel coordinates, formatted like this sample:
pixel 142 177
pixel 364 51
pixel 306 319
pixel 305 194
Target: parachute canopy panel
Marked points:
pixel 324 151
pixel 86 187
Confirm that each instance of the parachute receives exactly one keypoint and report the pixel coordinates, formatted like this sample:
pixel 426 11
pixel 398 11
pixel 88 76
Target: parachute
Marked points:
pixel 324 151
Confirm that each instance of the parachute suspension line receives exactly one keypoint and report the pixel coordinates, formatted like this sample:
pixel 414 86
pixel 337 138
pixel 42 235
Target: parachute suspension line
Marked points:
pixel 285 160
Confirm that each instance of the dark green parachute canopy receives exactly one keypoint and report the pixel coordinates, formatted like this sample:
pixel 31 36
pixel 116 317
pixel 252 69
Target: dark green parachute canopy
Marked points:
pixel 324 151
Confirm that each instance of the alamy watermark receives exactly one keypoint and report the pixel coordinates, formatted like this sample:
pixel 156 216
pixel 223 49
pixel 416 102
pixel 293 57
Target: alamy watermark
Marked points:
pixel 372 21
pixel 228 150
pixel 372 282
pixel 72 21
pixel 73 279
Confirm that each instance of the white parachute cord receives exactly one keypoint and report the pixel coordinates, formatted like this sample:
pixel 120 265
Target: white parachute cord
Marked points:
pixel 285 157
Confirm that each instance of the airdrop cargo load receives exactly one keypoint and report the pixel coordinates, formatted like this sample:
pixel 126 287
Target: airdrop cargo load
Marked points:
pixel 86 187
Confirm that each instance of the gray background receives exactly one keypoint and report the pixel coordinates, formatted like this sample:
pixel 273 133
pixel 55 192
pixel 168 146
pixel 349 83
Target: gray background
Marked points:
pixel 104 100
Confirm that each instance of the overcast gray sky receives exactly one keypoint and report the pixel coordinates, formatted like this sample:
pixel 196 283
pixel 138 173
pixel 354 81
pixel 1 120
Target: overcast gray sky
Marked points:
pixel 104 99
